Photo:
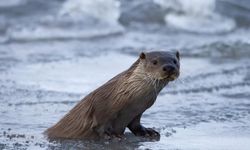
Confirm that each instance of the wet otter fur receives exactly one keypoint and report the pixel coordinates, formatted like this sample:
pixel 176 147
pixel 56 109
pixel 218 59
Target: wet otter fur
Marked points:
pixel 120 103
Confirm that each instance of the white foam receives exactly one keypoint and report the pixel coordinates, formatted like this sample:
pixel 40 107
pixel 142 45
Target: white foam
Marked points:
pixel 196 16
pixel 105 10
pixel 87 19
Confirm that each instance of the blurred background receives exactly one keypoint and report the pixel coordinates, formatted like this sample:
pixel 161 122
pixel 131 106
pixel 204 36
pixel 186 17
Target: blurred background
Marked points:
pixel 53 53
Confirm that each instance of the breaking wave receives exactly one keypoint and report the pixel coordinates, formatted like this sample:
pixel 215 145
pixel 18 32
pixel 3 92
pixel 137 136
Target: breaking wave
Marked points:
pixel 195 16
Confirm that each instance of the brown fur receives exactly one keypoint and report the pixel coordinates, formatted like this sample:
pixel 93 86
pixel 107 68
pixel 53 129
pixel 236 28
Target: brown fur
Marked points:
pixel 112 107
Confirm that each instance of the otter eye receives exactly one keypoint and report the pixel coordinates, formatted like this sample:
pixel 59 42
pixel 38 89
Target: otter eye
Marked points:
pixel 155 62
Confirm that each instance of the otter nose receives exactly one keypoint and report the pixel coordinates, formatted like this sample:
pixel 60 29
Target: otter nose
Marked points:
pixel 168 68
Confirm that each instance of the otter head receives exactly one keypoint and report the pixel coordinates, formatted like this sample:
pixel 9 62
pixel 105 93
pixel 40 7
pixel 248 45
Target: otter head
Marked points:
pixel 161 65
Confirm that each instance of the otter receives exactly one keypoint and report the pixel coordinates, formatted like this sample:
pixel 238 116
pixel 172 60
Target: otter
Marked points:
pixel 119 103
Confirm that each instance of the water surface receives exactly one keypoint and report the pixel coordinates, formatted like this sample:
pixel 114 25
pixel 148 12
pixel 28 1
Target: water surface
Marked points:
pixel 49 60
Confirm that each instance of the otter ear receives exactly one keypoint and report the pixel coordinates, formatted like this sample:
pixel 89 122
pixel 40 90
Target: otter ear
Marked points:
pixel 142 55
pixel 178 55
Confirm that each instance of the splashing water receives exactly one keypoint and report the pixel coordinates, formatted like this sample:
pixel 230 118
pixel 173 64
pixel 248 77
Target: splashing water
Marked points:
pixel 76 19
pixel 105 10
pixel 196 16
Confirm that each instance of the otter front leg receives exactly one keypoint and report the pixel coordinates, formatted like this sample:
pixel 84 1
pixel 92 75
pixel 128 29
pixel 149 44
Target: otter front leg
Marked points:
pixel 136 127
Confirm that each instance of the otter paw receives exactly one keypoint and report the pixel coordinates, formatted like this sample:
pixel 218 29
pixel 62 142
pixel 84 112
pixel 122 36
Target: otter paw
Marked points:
pixel 152 133
pixel 147 132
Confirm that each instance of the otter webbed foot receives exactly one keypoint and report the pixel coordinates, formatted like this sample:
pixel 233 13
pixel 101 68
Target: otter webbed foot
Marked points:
pixel 146 132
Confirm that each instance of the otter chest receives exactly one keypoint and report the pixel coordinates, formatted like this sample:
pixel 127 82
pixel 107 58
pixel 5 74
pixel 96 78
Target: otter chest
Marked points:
pixel 137 104
pixel 139 97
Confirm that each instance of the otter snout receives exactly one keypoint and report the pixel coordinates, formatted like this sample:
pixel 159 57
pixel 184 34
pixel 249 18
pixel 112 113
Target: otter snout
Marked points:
pixel 170 69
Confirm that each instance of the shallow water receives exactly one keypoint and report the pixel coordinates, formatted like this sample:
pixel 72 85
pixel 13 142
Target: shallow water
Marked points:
pixel 49 61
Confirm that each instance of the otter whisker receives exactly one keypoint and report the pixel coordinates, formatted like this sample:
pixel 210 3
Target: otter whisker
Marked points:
pixel 158 82
pixel 180 80
pixel 155 88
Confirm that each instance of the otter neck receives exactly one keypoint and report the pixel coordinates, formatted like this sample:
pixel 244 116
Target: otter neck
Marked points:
pixel 140 77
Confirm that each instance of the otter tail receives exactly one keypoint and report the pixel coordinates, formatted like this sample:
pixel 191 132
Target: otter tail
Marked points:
pixel 78 123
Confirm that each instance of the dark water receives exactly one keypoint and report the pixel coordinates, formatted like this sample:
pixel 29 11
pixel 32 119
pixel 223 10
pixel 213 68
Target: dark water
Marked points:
pixel 52 53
